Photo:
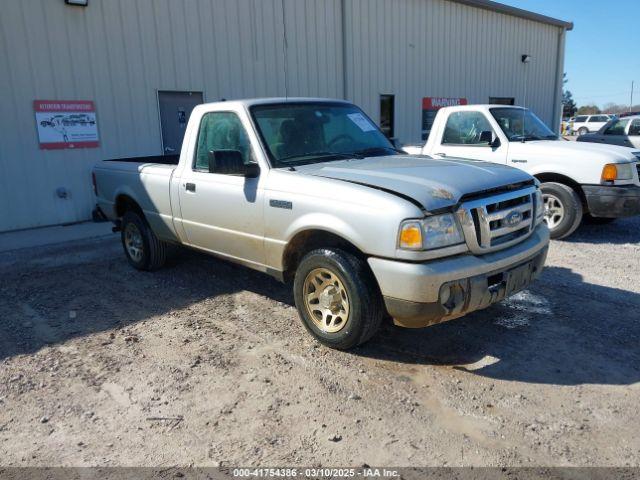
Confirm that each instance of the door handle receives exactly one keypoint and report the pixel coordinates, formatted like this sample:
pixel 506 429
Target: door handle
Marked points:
pixel 441 154
pixel 190 187
pixel 169 150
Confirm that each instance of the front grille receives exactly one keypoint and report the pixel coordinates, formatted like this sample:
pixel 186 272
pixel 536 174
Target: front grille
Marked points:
pixel 498 221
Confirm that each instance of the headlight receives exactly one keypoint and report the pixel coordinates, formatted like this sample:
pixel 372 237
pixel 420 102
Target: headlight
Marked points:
pixel 430 233
pixel 617 171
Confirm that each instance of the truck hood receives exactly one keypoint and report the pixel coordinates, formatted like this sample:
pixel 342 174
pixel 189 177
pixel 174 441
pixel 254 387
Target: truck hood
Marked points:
pixel 434 184
pixel 578 150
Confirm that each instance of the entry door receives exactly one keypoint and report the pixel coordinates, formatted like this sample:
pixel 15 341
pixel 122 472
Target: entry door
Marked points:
pixel 175 110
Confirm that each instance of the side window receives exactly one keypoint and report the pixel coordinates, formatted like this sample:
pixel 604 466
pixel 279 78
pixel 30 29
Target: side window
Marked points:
pixel 634 129
pixel 221 131
pixel 465 128
pixel 580 119
pixel 617 128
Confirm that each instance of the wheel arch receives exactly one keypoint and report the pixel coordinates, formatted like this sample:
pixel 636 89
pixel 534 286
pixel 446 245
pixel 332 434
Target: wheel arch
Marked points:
pixel 310 239
pixel 565 180
pixel 125 202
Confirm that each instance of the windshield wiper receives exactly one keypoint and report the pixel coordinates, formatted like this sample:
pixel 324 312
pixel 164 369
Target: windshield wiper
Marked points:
pixel 524 138
pixel 367 152
pixel 324 155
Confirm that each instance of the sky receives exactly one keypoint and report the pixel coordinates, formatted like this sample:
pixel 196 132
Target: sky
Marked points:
pixel 603 49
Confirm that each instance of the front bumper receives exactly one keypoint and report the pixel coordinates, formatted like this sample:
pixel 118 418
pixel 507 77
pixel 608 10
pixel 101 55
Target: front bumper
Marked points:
pixel 612 201
pixel 421 294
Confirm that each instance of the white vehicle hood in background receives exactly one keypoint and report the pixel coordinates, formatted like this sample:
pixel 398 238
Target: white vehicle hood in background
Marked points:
pixel 561 149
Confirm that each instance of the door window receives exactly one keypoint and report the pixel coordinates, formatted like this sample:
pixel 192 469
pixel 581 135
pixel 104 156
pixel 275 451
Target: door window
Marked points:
pixel 221 131
pixel 634 129
pixel 598 119
pixel 465 128
pixel 618 127
pixel 580 119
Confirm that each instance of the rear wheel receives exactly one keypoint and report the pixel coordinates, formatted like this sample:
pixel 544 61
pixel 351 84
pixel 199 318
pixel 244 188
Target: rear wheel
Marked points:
pixel 562 209
pixel 143 249
pixel 337 298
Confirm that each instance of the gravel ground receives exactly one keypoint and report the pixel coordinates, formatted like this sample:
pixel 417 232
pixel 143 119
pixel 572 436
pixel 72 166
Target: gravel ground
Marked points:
pixel 204 363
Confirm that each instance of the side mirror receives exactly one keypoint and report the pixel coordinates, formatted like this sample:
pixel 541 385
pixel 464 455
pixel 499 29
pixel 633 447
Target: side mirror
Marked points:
pixel 396 143
pixel 486 136
pixel 230 162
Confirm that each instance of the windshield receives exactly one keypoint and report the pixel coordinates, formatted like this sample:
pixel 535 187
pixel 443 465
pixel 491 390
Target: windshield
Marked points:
pixel 521 124
pixel 304 133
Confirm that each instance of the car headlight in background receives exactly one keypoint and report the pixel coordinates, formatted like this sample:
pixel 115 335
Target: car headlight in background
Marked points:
pixel 429 233
pixel 617 171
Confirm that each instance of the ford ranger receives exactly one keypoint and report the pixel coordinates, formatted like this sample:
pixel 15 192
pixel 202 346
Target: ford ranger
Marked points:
pixel 310 191
pixel 578 179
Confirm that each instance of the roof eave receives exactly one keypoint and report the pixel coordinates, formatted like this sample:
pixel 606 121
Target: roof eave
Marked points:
pixel 516 12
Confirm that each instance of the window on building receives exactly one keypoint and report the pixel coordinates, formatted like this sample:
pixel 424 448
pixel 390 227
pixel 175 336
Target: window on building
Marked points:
pixel 502 100
pixel 465 128
pixel 387 115
pixel 221 131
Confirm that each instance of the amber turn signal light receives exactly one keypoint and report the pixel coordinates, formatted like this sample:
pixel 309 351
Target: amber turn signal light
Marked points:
pixel 411 236
pixel 609 173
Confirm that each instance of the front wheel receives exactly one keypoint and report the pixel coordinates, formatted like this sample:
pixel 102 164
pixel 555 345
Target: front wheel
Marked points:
pixel 562 209
pixel 337 298
pixel 582 131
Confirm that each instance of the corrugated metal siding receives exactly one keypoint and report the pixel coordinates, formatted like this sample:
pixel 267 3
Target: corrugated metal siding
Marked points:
pixel 438 48
pixel 118 53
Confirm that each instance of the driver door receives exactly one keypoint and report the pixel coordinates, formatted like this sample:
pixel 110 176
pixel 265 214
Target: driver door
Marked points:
pixel 466 135
pixel 223 213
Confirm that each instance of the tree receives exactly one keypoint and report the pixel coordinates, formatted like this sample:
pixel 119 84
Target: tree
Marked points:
pixel 568 105
pixel 617 109
pixel 588 110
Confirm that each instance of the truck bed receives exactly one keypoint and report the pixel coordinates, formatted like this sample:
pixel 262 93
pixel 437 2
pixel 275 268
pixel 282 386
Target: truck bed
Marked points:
pixel 160 159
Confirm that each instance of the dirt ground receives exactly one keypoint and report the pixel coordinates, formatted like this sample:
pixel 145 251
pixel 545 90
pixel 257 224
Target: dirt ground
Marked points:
pixel 204 363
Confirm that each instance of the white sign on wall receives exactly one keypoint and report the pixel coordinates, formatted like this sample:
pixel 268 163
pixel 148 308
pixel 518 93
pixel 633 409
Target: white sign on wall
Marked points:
pixel 66 124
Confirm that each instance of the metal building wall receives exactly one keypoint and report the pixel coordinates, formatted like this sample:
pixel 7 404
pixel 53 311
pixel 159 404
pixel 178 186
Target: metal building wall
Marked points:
pixel 118 53
pixel 440 48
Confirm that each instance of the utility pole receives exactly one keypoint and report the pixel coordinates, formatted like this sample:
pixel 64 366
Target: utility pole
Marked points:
pixel 631 102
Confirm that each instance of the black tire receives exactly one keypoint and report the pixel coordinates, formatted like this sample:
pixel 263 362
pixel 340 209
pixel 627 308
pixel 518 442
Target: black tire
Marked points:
pixel 583 131
pixel 572 205
pixel 598 220
pixel 154 250
pixel 366 308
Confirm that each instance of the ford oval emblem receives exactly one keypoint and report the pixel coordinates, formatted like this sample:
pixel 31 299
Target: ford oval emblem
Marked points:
pixel 513 218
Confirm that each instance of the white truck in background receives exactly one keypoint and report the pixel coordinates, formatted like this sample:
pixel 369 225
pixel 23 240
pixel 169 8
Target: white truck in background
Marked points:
pixel 578 179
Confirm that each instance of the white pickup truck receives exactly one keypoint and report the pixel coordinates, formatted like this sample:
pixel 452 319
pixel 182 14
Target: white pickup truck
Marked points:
pixel 312 192
pixel 600 181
